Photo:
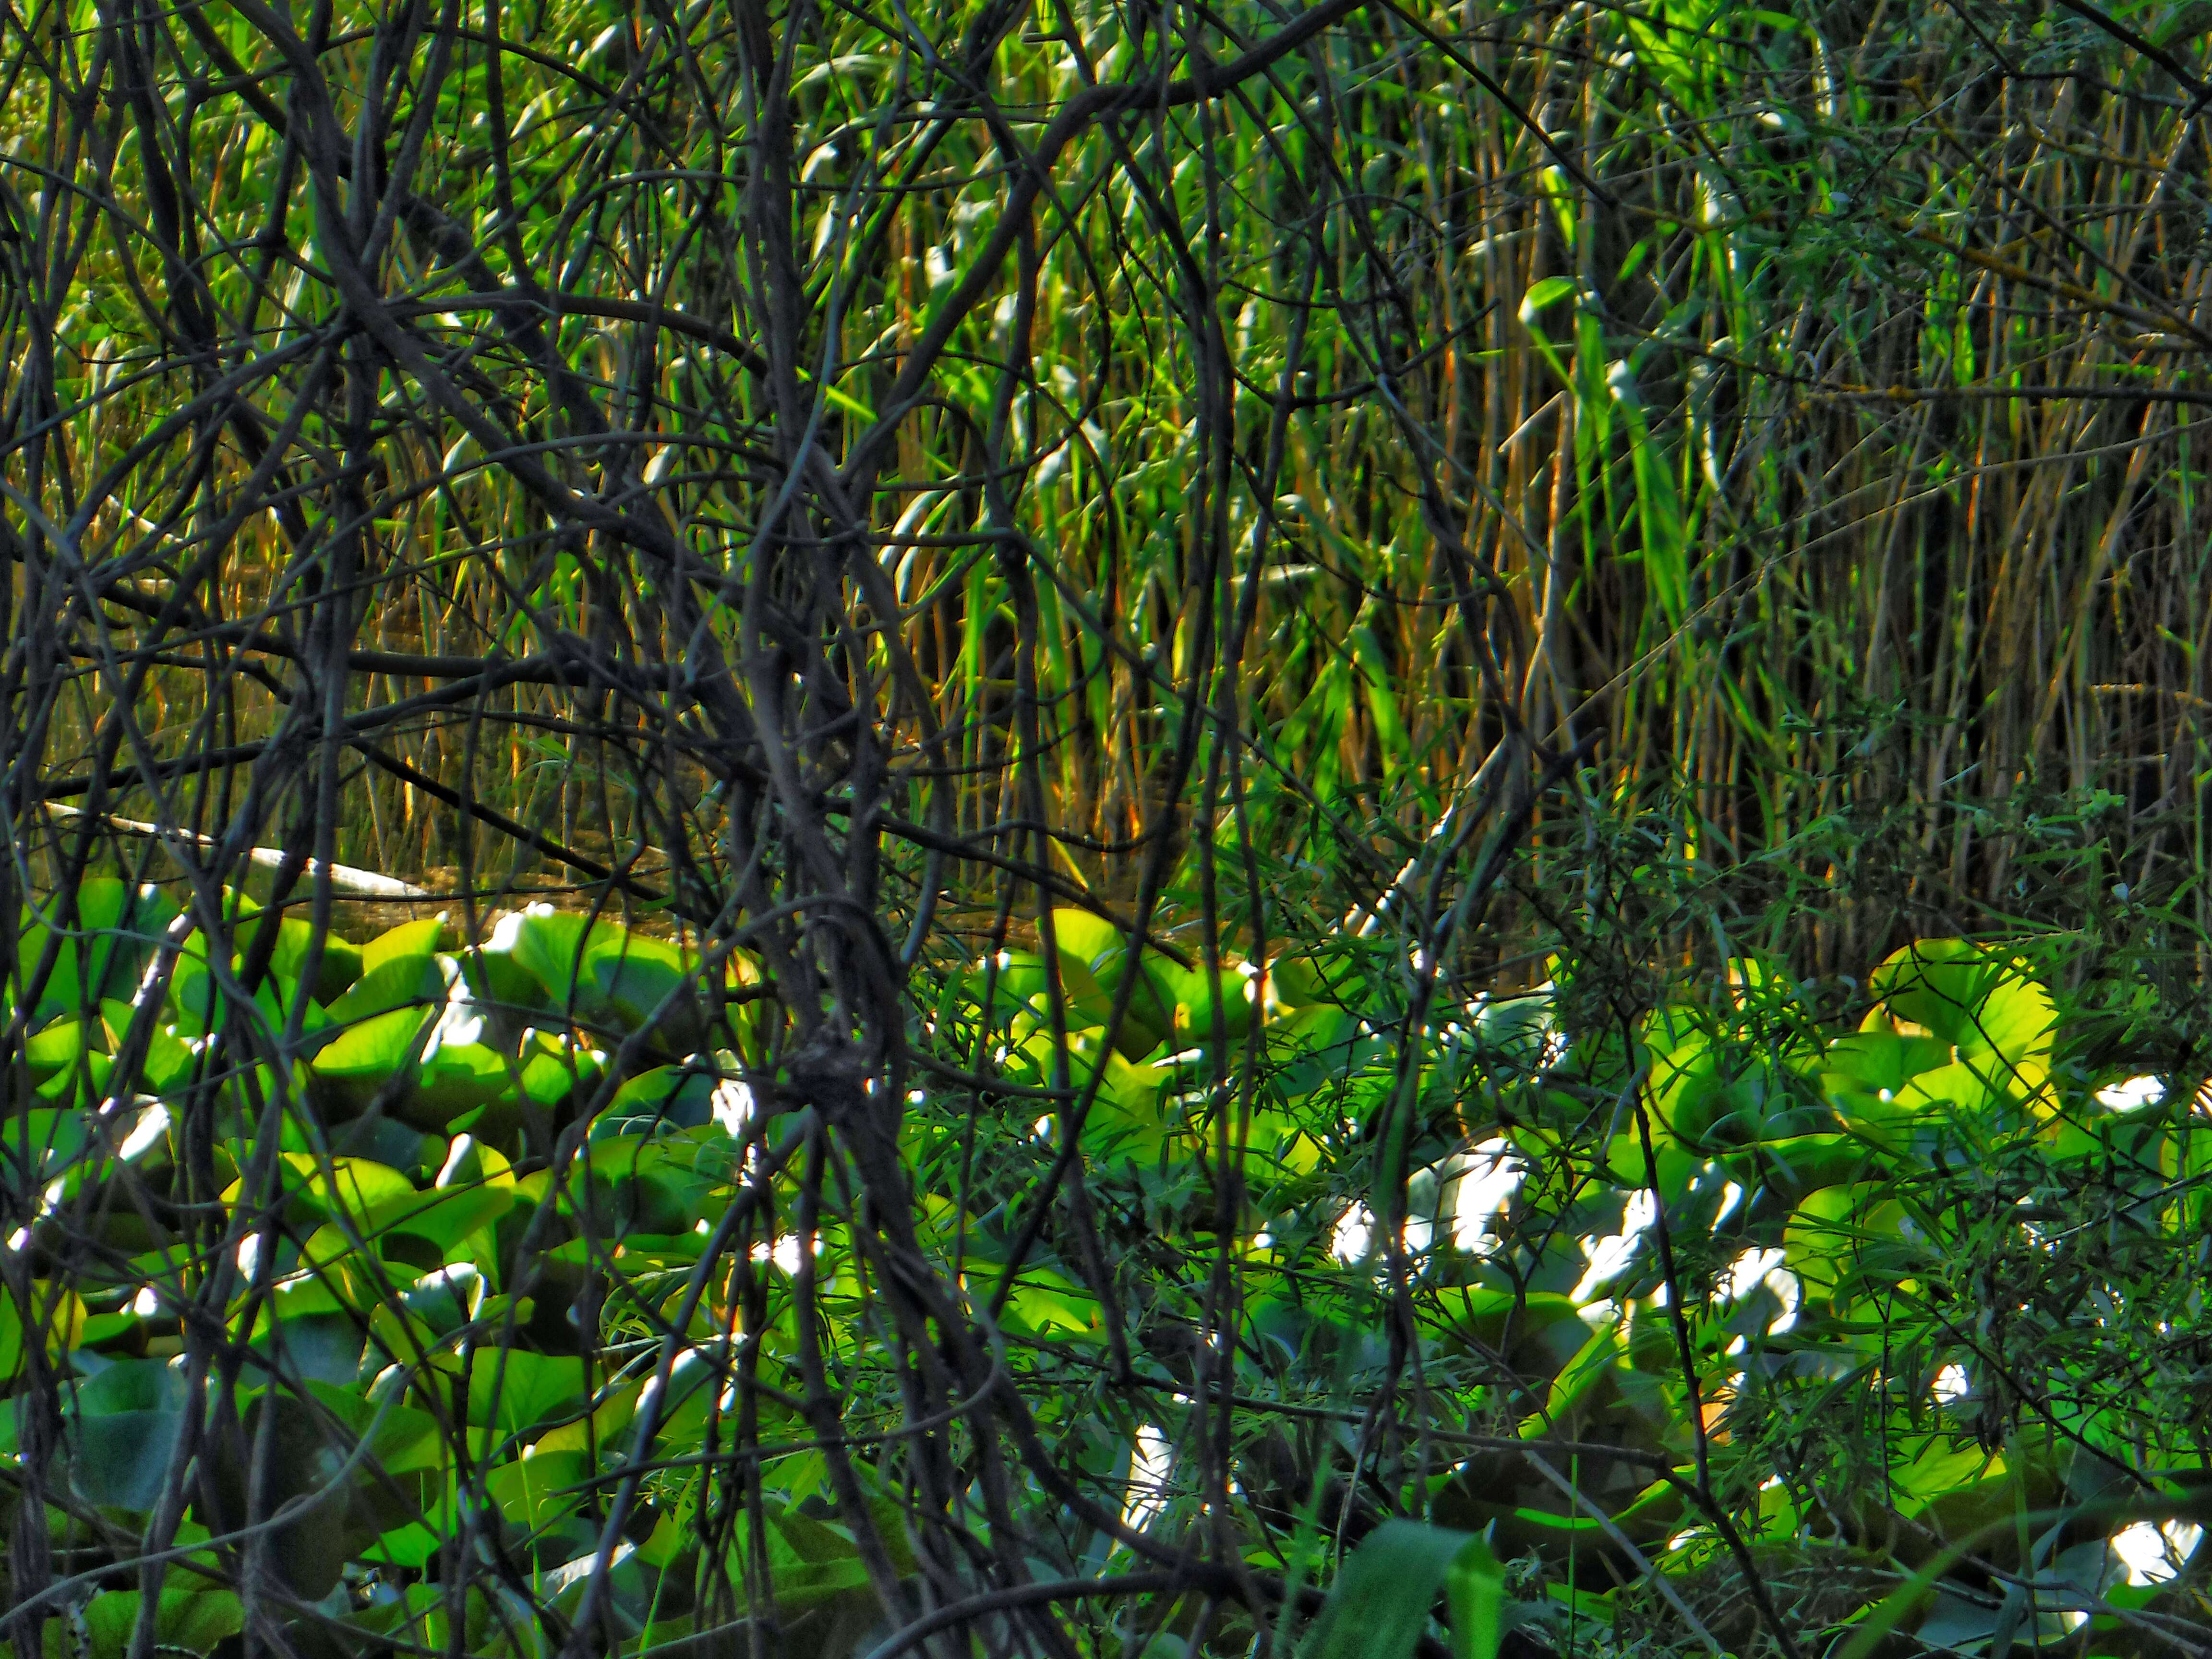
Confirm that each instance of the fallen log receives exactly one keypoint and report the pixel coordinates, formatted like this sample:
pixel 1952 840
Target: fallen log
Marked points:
pixel 344 877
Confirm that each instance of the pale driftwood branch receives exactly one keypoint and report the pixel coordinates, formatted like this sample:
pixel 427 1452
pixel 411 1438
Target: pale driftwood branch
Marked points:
pixel 344 877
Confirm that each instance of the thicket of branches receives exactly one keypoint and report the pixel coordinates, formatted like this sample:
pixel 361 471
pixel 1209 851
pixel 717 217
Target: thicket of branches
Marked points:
pixel 844 485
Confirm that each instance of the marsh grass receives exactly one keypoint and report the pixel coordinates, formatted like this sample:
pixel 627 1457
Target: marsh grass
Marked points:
pixel 1819 395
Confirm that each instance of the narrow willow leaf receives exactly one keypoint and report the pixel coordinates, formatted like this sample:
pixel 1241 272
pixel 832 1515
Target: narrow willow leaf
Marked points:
pixel 1380 1604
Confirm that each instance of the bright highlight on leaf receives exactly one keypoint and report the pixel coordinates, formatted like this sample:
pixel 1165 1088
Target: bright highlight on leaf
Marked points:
pixel 2132 1094
pixel 2154 1553
pixel 1152 1464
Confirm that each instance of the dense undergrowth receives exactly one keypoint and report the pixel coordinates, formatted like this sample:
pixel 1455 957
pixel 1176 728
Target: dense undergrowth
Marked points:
pixel 1722 1323
pixel 1515 554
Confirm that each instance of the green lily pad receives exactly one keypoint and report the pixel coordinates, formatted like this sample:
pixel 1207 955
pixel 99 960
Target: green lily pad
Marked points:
pixel 191 1619
pixel 518 1390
